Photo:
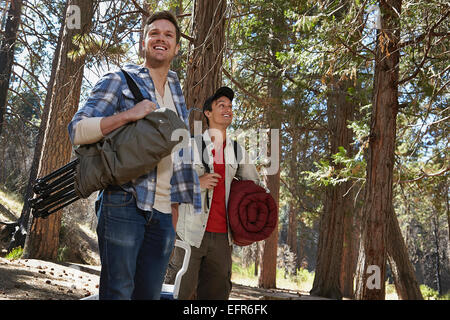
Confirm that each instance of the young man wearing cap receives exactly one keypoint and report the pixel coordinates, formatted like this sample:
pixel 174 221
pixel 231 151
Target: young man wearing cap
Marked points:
pixel 135 226
pixel 209 273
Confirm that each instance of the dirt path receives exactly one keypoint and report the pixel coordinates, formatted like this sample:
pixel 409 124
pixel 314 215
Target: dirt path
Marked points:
pixel 29 279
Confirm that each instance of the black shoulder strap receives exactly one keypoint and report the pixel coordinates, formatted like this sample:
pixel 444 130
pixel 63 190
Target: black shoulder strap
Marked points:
pixel 133 87
pixel 207 169
pixel 203 158
pixel 236 154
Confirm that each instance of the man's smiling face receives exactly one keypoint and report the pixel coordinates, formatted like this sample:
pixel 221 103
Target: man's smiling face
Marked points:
pixel 221 114
pixel 160 42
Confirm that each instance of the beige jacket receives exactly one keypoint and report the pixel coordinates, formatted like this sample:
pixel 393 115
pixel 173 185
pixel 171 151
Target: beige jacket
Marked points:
pixel 190 226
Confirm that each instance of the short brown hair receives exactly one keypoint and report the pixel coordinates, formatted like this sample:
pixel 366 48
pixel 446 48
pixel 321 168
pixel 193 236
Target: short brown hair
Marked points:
pixel 163 15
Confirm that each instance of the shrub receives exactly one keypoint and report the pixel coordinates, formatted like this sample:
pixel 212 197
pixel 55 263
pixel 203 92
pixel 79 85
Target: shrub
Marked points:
pixel 15 253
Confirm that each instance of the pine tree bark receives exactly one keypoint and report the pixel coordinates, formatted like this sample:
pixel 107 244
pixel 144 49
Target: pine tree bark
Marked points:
pixel 292 221
pixel 273 116
pixel 19 236
pixel 402 269
pixel 7 54
pixel 349 251
pixel 330 256
pixel 371 272
pixel 43 239
pixel 267 277
pixel 204 67
pixel 292 233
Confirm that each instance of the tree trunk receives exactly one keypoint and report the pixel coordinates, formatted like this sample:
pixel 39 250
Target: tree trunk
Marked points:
pixel 292 233
pixel 378 197
pixel 349 252
pixel 19 236
pixel 330 256
pixel 43 240
pixel 273 115
pixel 267 277
pixel 7 54
pixel 401 267
pixel 204 67
pixel 257 259
pixel 292 220
pixel 437 258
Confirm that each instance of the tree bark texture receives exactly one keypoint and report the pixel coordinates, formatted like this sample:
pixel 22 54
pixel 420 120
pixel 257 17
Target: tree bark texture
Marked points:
pixel 378 197
pixel 268 275
pixel 338 205
pixel 267 278
pixel 293 223
pixel 204 67
pixel 7 54
pixel 292 233
pixel 402 269
pixel 19 236
pixel 43 239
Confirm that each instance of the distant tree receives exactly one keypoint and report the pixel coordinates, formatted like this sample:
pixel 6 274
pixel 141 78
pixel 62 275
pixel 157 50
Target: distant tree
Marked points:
pixel 334 257
pixel 43 238
pixel 7 53
pixel 19 236
pixel 204 66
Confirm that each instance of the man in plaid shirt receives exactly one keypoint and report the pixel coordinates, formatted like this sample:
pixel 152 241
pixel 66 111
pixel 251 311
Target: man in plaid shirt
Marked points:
pixel 136 221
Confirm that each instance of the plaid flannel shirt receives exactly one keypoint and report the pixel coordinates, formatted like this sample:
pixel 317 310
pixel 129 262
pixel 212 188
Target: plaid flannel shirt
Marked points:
pixel 111 95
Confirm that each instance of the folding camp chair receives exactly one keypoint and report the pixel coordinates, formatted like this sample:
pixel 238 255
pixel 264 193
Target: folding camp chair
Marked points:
pixel 169 291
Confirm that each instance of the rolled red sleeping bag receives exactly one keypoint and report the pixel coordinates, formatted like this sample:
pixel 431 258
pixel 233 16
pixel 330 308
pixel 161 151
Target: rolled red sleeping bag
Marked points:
pixel 252 212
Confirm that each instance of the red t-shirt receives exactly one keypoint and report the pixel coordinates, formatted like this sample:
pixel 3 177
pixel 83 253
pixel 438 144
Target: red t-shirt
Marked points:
pixel 217 220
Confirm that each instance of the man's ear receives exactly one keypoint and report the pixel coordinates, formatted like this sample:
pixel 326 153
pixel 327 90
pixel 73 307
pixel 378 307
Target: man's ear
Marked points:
pixel 177 48
pixel 143 48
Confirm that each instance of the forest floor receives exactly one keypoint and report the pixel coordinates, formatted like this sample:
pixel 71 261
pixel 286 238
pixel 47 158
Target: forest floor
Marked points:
pixel 30 279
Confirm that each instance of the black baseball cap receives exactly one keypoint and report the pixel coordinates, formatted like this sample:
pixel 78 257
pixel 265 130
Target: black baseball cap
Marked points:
pixel 221 92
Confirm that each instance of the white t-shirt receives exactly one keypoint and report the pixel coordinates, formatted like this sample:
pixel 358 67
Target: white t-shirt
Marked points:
pixel 164 169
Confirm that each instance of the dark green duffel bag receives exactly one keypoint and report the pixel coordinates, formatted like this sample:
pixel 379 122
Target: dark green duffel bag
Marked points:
pixel 126 153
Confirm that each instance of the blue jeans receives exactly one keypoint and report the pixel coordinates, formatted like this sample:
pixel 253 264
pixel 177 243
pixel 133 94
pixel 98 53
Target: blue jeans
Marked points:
pixel 134 245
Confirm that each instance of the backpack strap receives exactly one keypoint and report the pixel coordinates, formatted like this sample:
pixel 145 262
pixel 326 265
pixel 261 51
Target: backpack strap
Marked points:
pixel 236 154
pixel 138 97
pixel 203 158
pixel 207 169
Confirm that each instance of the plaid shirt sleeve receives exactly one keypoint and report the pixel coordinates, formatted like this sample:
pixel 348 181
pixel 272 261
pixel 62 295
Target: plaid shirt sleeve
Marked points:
pixel 186 186
pixel 102 102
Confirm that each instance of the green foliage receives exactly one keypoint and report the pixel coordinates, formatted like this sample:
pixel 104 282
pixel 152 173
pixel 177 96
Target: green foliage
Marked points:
pixel 62 254
pixel 340 169
pixel 304 276
pixel 15 254
pixel 244 271
pixel 430 294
